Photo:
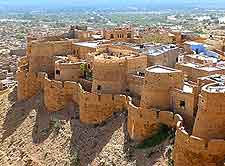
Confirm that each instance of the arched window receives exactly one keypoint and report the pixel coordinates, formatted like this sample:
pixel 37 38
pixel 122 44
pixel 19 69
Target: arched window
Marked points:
pixel 111 36
pixel 57 72
pixel 99 87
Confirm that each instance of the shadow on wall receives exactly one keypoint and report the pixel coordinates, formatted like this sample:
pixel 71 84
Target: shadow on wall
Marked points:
pixel 87 142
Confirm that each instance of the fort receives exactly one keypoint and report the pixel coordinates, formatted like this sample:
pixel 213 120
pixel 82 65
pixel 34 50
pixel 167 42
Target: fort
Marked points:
pixel 108 78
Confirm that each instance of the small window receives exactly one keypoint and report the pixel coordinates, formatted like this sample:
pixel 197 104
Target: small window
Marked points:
pixel 182 104
pixel 129 35
pixel 176 59
pixel 57 72
pixel 142 74
pixel 89 67
pixel 111 36
pixel 99 87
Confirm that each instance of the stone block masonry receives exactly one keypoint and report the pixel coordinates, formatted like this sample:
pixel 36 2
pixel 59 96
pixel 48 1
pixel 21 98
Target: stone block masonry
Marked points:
pixel 28 85
pixel 94 108
pixel 188 149
pixel 195 151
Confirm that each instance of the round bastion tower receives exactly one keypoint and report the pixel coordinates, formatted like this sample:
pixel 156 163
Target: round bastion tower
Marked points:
pixel 109 74
pixel 210 119
pixel 158 82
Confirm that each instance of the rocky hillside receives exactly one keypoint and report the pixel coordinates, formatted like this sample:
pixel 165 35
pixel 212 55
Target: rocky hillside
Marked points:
pixel 29 135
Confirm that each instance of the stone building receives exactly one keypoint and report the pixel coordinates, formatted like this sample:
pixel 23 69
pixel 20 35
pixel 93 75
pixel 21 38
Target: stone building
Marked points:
pixel 109 79
pixel 119 34
pixel 165 55
pixel 193 71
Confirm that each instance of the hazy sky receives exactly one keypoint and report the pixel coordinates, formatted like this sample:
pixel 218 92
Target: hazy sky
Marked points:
pixel 115 3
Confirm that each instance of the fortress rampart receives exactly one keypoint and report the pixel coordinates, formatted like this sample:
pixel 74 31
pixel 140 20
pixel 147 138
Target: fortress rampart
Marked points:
pixel 142 123
pixel 158 82
pixel 188 150
pixel 109 75
pixel 210 122
pixel 94 108
pixel 28 85
pixel 194 151
pixel 163 97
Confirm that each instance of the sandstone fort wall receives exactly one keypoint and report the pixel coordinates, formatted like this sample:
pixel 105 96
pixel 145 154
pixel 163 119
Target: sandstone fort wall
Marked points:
pixel 185 104
pixel 142 123
pixel 188 150
pixel 42 55
pixel 210 122
pixel 155 93
pixel 94 108
pixel 109 76
pixel 194 151
pixel 135 84
pixel 28 85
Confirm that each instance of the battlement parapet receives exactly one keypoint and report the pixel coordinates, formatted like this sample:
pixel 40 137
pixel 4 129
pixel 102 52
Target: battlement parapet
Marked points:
pixel 28 85
pixel 143 122
pixel 94 108
pixel 191 150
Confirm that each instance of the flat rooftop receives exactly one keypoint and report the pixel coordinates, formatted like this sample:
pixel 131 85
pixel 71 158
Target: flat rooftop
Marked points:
pixel 201 67
pixel 187 88
pixel 217 78
pixel 192 65
pixel 193 43
pixel 91 44
pixel 216 88
pixel 156 51
pixel 161 69
pixel 148 49
pixel 203 57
